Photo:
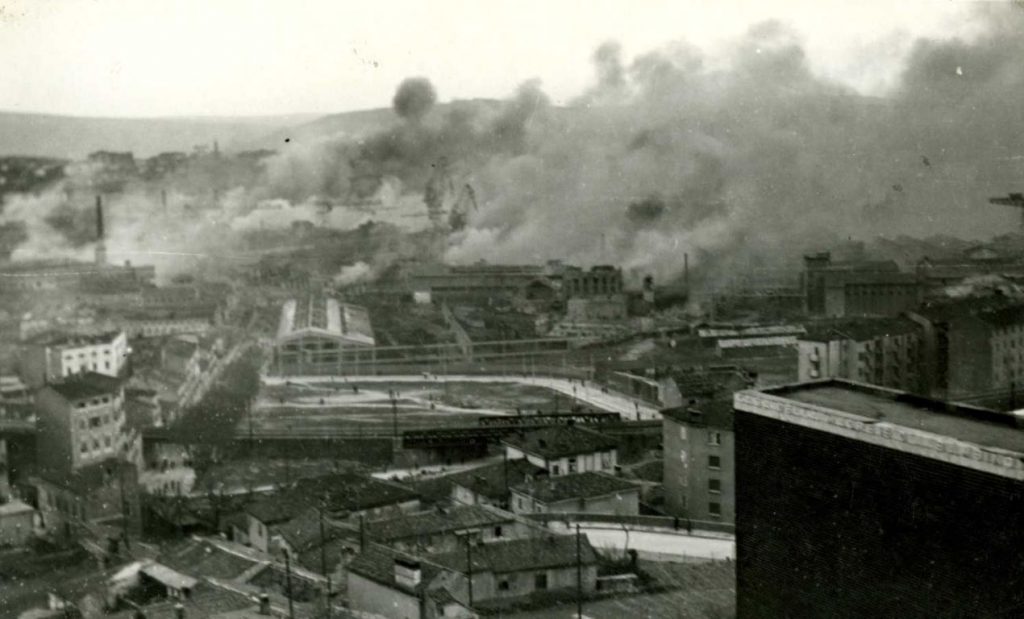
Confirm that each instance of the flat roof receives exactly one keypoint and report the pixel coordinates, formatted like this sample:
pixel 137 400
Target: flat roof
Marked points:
pixel 967 435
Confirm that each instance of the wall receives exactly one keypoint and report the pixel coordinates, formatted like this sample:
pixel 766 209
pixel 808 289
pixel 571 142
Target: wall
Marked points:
pixel 833 527
pixel 687 472
pixel 53 434
pixel 259 534
pixel 368 596
pixel 487 585
pixel 16 527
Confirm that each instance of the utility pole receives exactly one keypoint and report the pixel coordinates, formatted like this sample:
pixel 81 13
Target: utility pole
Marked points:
pixel 579 576
pixel 288 576
pixel 323 556
pixel 469 567
pixel 394 414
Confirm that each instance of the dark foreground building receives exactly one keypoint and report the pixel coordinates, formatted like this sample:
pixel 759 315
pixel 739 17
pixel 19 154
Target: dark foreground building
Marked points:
pixel 858 501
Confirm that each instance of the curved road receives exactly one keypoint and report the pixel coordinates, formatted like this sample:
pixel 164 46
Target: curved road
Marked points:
pixel 586 392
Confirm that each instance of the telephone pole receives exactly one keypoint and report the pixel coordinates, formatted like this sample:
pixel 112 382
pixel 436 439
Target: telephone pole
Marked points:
pixel 288 576
pixel 323 556
pixel 579 576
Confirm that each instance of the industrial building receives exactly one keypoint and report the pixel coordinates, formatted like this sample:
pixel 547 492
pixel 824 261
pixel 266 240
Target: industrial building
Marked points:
pixel 859 288
pixel 96 277
pixel 860 501
pixel 316 332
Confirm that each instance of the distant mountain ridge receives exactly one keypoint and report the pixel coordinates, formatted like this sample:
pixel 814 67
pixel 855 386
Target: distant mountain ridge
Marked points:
pixel 73 137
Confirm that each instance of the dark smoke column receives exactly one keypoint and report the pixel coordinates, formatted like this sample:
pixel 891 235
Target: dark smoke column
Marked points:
pixel 414 98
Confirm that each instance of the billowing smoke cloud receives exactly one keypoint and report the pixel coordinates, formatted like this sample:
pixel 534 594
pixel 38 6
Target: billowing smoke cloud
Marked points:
pixel 749 159
pixel 414 98
pixel 759 158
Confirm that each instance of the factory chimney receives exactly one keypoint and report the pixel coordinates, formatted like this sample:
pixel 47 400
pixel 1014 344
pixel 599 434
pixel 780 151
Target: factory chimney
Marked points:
pixel 101 242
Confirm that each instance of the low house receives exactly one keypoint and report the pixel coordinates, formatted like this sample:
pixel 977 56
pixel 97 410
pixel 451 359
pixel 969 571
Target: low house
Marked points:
pixel 265 516
pixel 531 567
pixel 342 496
pixel 490 484
pixel 383 582
pixel 104 493
pixel 16 522
pixel 583 493
pixel 563 450
pixel 442 530
pixel 311 532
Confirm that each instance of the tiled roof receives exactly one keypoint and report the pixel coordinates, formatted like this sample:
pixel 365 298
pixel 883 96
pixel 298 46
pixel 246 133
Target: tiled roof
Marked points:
pixel 436 521
pixel 711 414
pixel 489 480
pixel 348 492
pixel 87 385
pixel 575 486
pixel 303 531
pixel 274 509
pixel 531 553
pixel 560 441
pixel 343 493
pixel 377 563
pixel 205 560
pixel 91 477
pixel 859 330
pixel 72 340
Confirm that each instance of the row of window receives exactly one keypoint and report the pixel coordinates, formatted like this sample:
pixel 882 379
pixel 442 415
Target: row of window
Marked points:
pixel 71 357
pixel 714 438
pixel 84 446
pixel 98 420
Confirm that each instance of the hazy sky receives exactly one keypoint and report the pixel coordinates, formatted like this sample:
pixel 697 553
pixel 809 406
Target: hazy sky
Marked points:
pixel 252 57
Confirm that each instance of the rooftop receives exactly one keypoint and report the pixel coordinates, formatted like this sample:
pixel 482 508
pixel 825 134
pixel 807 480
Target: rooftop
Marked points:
pixel 972 436
pixel 72 340
pixel 326 316
pixel 87 385
pixel 559 441
pixel 575 486
pixel 531 553
pixel 711 414
pixel 342 492
pixel 859 330
pixel 436 521
pixel 377 563
pixel 303 531
pixel 489 480
pixel 90 477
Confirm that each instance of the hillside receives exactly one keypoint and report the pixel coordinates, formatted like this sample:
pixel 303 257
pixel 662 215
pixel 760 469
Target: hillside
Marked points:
pixel 71 137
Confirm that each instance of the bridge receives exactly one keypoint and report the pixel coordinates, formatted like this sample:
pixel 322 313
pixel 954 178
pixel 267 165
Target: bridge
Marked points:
pixel 431 436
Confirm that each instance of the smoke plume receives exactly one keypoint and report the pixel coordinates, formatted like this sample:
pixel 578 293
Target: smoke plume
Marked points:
pixel 414 98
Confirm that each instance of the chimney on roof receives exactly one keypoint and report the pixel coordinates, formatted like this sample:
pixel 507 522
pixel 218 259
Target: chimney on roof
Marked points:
pixel 264 604
pixel 408 573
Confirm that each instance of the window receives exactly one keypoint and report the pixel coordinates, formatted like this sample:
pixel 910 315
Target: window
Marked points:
pixel 540 581
pixel 715 486
pixel 682 433
pixel 94 422
pixel 503 585
pixel 498 532
pixel 106 441
pixel 715 438
pixel 714 462
pixel 554 469
pixel 715 509
pixel 85 447
pixel 572 465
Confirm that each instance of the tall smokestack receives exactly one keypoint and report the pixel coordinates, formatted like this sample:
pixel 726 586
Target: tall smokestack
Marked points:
pixel 686 271
pixel 101 243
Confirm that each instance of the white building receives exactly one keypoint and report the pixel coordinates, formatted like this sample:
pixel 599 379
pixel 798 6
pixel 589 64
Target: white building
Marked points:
pixel 54 356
